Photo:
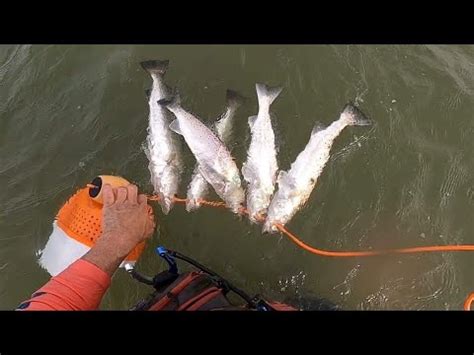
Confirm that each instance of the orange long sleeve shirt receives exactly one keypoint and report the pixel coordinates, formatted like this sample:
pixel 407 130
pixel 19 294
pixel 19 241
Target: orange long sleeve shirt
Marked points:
pixel 80 287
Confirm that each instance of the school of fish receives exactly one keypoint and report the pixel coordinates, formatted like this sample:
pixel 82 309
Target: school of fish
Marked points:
pixel 269 195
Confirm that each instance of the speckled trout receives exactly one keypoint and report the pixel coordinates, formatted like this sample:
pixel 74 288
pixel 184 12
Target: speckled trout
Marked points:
pixel 261 166
pixel 198 187
pixel 215 162
pixel 162 150
pixel 295 185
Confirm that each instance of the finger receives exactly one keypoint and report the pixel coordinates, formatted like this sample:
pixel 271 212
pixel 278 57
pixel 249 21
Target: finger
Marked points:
pixel 150 227
pixel 151 217
pixel 121 194
pixel 142 199
pixel 108 196
pixel 149 211
pixel 114 189
pixel 132 193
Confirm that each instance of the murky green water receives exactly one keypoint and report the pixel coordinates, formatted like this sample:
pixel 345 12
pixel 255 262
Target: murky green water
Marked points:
pixel 68 113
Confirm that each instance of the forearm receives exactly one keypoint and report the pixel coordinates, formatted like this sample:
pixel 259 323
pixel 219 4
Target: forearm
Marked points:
pixel 106 254
pixel 80 287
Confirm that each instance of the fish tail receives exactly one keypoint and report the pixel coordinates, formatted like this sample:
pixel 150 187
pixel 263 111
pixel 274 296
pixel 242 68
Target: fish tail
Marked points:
pixel 233 99
pixel 155 67
pixel 355 116
pixel 266 94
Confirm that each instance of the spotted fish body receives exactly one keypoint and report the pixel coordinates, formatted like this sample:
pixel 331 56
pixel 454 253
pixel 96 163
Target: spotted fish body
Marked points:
pixel 162 148
pixel 215 162
pixel 295 186
pixel 261 166
pixel 198 187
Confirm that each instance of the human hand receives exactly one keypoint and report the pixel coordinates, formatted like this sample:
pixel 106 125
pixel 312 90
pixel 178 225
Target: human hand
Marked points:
pixel 127 219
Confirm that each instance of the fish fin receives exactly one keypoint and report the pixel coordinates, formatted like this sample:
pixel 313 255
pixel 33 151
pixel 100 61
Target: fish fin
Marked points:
pixel 155 67
pixel 216 185
pixel 174 126
pixel 317 128
pixel 249 176
pixel 246 172
pixel 252 120
pixel 355 116
pixel 285 179
pixel 234 99
pixel 172 156
pixel 171 102
pixel 281 175
pixel 267 94
pixel 148 93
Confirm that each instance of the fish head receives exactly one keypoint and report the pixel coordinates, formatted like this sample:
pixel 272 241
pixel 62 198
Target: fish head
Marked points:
pixel 234 194
pixel 285 204
pixel 235 197
pixel 169 180
pixel 192 204
pixel 269 227
pixel 166 204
